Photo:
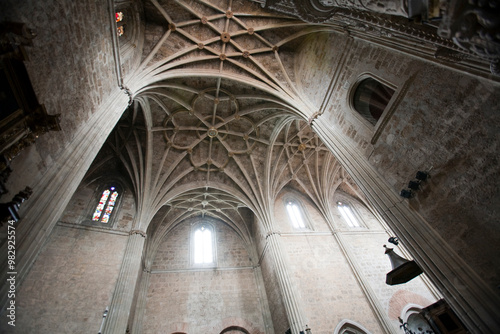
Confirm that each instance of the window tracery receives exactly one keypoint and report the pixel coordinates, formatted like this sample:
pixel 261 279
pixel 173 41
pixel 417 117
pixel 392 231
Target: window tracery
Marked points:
pixel 105 207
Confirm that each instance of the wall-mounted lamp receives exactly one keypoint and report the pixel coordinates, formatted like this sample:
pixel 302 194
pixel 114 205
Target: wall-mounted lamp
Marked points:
pixel 422 176
pixel 414 185
pixel 394 240
pixel 406 193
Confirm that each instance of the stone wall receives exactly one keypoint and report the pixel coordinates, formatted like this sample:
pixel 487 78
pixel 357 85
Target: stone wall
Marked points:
pixel 70 284
pixel 202 300
pixel 71 68
pixel 325 281
pixel 446 122
pixel 84 201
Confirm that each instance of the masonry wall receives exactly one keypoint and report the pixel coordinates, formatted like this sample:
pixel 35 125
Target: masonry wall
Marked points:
pixel 366 246
pixel 326 285
pixel 324 279
pixel 70 284
pixel 72 69
pixel 182 297
pixel 75 274
pixel 84 201
pixel 446 122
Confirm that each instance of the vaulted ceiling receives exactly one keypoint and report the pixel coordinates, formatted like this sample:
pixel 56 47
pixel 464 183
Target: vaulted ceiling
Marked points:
pixel 218 119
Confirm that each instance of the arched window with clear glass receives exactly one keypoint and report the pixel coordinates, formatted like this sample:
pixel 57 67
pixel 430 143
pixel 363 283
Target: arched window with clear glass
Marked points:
pixel 348 215
pixel 203 245
pixel 106 205
pixel 370 99
pixel 295 214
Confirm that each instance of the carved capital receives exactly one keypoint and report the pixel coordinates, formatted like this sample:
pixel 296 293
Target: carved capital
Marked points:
pixel 272 233
pixel 313 117
pixel 142 233
pixel 127 91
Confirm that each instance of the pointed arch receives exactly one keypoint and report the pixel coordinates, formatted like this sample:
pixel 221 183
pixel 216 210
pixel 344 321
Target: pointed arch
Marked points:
pixel 350 327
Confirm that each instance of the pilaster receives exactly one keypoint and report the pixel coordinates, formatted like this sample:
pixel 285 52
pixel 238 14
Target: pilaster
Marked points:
pixel 294 312
pixel 474 302
pixel 140 306
pixel 123 295
pixel 39 215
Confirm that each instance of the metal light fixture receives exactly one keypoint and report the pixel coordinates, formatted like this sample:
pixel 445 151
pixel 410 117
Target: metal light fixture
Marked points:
pixel 422 176
pixel 402 271
pixel 414 185
pixel 394 240
pixel 406 193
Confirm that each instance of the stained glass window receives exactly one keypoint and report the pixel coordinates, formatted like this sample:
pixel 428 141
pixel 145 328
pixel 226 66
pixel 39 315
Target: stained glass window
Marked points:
pixel 295 214
pixel 203 245
pixel 106 204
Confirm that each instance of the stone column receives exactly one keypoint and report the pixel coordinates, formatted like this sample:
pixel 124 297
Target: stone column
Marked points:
pixel 474 302
pixel 264 302
pixel 123 295
pixel 140 306
pixel 52 193
pixel 289 293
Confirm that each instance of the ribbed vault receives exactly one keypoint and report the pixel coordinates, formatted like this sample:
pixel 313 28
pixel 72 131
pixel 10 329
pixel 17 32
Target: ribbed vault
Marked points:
pixel 218 120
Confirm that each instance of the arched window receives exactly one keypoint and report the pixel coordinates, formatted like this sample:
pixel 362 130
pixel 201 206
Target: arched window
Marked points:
pixel 128 27
pixel 295 215
pixel 370 99
pixel 350 327
pixel 119 23
pixel 105 207
pixel 203 245
pixel 234 330
pixel 348 214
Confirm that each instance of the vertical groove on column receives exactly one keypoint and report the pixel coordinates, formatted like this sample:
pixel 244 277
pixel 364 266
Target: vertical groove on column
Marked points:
pixel 50 197
pixel 123 295
pixel 141 302
pixel 291 299
pixel 469 296
pixel 266 313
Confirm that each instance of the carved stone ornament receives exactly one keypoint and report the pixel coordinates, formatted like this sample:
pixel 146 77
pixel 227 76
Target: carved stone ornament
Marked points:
pixel 141 233
pixel 475 27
